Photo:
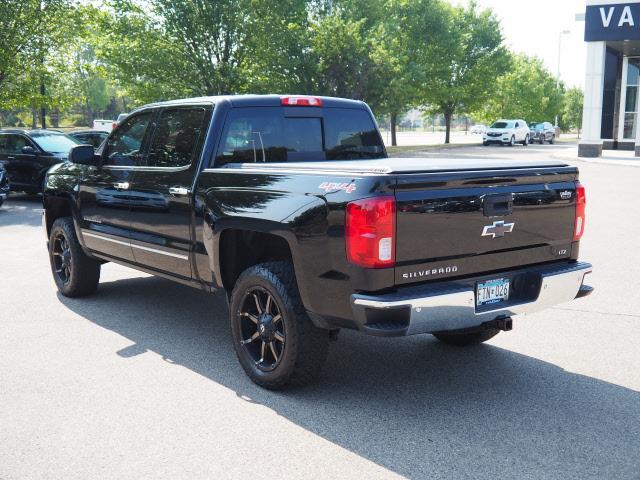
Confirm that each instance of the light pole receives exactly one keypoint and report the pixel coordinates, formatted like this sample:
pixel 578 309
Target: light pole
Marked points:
pixel 563 32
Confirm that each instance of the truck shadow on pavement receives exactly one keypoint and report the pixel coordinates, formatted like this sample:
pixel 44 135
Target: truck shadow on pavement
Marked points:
pixel 412 405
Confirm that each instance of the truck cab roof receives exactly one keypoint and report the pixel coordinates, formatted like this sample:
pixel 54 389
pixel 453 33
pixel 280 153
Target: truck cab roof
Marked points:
pixel 250 100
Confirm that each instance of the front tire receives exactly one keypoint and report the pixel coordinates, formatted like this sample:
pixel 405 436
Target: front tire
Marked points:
pixel 275 341
pixel 466 338
pixel 512 142
pixel 75 274
pixel 553 139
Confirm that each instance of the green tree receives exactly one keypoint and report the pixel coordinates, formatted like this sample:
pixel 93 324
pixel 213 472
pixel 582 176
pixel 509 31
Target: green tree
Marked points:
pixel 461 64
pixel 399 40
pixel 30 32
pixel 573 104
pixel 342 50
pixel 527 91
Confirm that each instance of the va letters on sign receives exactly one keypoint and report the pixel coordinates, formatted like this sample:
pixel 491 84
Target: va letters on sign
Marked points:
pixel 612 22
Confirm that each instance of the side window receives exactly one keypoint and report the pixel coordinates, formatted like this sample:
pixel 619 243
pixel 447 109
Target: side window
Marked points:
pixel 176 137
pixel 517 124
pixel 13 144
pixel 123 146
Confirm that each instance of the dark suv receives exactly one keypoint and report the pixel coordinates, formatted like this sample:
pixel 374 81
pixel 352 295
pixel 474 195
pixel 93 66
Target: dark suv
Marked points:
pixel 542 132
pixel 28 154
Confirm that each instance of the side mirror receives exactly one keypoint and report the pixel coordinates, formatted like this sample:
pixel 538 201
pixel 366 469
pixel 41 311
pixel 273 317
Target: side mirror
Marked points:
pixel 28 150
pixel 84 155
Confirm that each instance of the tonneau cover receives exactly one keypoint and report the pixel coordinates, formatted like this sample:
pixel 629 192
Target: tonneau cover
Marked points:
pixel 403 165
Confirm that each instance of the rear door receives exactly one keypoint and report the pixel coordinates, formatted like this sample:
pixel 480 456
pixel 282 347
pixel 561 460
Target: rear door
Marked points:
pixel 105 199
pixel 481 222
pixel 161 190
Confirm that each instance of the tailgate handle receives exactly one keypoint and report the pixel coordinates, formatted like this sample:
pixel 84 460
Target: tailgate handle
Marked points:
pixel 498 205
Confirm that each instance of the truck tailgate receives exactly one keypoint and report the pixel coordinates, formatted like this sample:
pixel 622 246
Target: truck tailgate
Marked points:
pixel 461 223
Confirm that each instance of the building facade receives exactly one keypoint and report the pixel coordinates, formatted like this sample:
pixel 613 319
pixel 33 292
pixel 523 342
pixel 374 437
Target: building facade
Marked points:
pixel 612 84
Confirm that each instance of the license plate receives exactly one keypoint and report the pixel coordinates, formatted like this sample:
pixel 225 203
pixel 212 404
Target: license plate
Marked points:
pixel 492 291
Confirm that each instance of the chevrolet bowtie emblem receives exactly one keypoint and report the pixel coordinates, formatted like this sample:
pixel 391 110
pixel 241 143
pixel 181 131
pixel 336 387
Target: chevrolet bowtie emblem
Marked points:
pixel 498 229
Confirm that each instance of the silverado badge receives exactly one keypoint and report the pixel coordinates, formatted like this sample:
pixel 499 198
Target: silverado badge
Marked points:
pixel 498 229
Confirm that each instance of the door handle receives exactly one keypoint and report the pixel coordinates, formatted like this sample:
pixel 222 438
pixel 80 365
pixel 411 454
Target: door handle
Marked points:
pixel 179 191
pixel 121 185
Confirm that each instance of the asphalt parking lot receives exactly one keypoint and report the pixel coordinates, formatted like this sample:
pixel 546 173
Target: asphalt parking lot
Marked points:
pixel 140 380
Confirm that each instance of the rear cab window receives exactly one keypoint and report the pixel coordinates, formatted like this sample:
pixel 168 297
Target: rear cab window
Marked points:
pixel 298 134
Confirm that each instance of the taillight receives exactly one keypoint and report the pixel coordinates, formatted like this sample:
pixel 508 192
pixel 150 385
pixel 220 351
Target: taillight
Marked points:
pixel 301 101
pixel 581 203
pixel 370 232
pixel 113 125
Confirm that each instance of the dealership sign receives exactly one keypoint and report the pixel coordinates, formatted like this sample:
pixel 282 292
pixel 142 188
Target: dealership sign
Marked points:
pixel 612 22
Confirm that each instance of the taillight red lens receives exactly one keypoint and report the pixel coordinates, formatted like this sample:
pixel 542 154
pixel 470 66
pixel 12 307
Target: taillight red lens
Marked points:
pixel 581 204
pixel 301 101
pixel 370 232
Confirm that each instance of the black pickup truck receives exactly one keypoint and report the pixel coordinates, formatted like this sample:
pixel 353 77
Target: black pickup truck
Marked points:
pixel 290 205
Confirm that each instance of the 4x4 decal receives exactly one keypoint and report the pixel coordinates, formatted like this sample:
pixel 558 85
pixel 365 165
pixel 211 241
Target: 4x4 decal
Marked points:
pixel 332 187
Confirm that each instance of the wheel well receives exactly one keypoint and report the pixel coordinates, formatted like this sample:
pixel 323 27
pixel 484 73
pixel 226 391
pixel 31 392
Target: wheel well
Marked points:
pixel 55 208
pixel 240 249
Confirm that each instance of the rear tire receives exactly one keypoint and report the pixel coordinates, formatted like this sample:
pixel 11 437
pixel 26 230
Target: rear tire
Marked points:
pixel 486 144
pixel 75 274
pixel 526 141
pixel 275 341
pixel 465 339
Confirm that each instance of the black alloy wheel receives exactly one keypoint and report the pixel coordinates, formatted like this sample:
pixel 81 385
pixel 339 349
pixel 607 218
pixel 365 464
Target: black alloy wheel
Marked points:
pixel 276 342
pixel 262 328
pixel 74 273
pixel 62 261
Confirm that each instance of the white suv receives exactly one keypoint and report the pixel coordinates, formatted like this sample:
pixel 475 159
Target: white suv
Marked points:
pixel 507 132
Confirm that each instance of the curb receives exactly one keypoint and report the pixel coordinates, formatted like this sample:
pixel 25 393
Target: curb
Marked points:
pixel 621 162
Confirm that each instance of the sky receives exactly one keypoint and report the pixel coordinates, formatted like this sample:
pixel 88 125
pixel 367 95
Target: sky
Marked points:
pixel 533 27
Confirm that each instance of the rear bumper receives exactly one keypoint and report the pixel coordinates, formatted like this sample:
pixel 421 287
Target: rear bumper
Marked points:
pixel 452 306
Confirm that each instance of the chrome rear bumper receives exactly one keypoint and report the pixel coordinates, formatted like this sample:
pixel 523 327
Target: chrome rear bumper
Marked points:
pixel 452 305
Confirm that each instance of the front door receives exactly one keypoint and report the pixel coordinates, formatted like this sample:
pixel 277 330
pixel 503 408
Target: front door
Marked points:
pixel 21 163
pixel 105 201
pixel 161 191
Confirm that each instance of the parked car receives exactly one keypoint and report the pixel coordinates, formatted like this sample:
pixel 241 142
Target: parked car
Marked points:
pixel 28 154
pixel 507 132
pixel 90 137
pixel 104 125
pixel 290 207
pixel 542 132
pixel 4 184
pixel 478 129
